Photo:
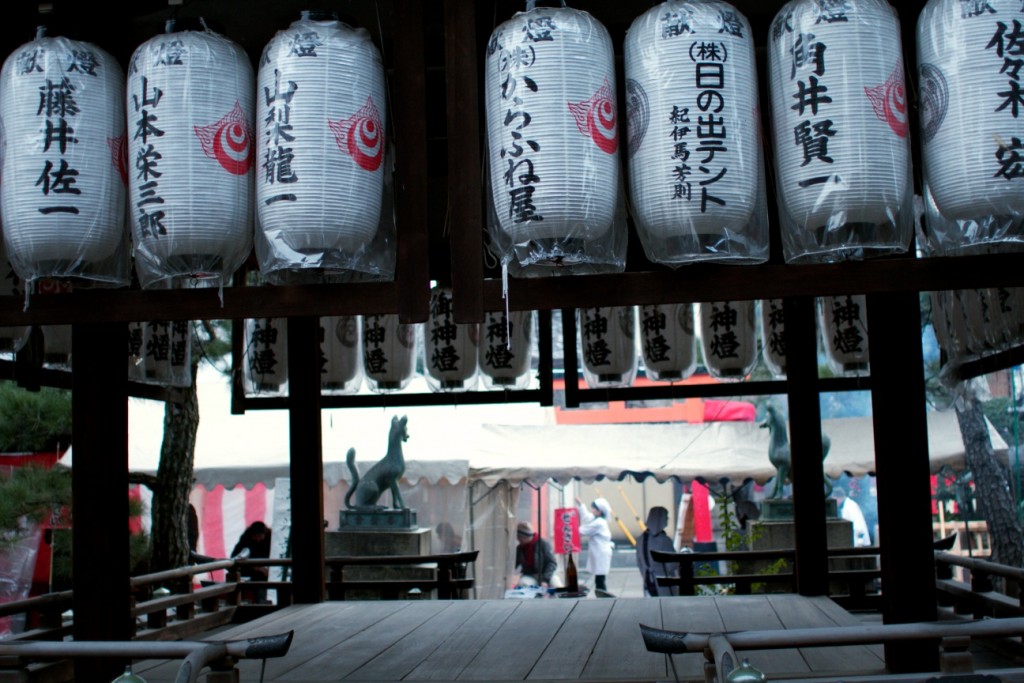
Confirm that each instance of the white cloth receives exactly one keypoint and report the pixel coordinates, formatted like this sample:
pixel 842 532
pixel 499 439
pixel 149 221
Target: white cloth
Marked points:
pixel 851 511
pixel 599 541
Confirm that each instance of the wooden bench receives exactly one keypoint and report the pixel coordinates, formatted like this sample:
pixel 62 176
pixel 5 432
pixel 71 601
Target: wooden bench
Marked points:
pixel 446 575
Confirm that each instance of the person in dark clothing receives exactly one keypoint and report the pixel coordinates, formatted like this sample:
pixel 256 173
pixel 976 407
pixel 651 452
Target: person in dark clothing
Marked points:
pixel 255 539
pixel 655 538
pixel 534 557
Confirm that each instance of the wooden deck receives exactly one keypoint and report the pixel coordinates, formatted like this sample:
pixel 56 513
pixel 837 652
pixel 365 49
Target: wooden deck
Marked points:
pixel 534 640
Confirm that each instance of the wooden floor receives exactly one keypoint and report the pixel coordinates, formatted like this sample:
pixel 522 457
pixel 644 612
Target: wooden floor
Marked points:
pixel 536 640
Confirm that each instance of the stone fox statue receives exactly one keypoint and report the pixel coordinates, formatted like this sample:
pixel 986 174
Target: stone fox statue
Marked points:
pixel 778 450
pixel 384 474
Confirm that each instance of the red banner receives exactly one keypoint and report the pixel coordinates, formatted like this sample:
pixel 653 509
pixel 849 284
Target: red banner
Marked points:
pixel 567 530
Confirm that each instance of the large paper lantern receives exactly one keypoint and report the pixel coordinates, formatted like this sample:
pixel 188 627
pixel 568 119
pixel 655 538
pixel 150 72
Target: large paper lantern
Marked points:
pixel 608 345
pixel 322 114
pixel 696 173
pixel 842 146
pixel 64 170
pixel 389 353
pixel 668 342
pixel 341 370
pixel 266 355
pixel 553 142
pixel 505 350
pixel 773 336
pixel 728 335
pixel 191 152
pixel 844 333
pixel 160 353
pixel 972 127
pixel 450 348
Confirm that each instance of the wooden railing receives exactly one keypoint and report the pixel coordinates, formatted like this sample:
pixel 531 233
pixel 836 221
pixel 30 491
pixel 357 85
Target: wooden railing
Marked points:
pixel 853 573
pixel 979 597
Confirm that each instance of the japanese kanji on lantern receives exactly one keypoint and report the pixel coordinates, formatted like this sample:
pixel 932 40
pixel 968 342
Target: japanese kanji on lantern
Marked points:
pixel 972 120
pixel 505 349
pixel 389 353
pixel 843 321
pixel 64 171
pixel 773 337
pixel 728 337
pixel 449 348
pixel 160 353
pixel 607 337
pixel 322 117
pixel 841 138
pixel 266 356
pixel 668 342
pixel 696 172
pixel 553 145
pixel 191 152
pixel 341 368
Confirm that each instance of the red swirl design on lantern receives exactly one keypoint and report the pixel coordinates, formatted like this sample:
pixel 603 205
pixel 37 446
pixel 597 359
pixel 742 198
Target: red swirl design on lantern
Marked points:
pixel 361 136
pixel 229 141
pixel 889 101
pixel 596 118
pixel 119 155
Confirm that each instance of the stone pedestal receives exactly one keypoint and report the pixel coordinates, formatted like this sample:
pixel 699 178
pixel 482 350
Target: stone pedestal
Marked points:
pixel 363 542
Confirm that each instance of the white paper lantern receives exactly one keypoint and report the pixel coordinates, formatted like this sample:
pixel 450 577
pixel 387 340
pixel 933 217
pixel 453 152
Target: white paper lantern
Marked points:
pixel 322 117
pixel 668 342
pixel 695 164
pixel 940 323
pixel 450 348
pixel 56 345
pixel 506 345
pixel 842 148
pixel 160 353
pixel 844 332
pixel 341 371
pixel 64 172
pixel 608 345
pixel 389 353
pixel 728 335
pixel 773 336
pixel 190 112
pixel 971 134
pixel 552 126
pixel 266 355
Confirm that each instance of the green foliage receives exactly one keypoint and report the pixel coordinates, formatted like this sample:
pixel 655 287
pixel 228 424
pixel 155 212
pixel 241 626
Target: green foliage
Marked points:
pixel 33 421
pixel 32 494
pixel 736 539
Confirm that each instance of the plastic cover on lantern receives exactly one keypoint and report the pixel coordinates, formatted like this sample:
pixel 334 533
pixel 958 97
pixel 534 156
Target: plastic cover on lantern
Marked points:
pixel 696 168
pixel 843 321
pixel 668 341
pixel 773 337
pixel 556 200
pixel 449 348
pixel 265 356
pixel 190 107
pixel 728 337
pixel 160 353
pixel 389 353
pixel 342 370
pixel 14 337
pixel 64 169
pixel 607 345
pixel 506 349
pixel 324 200
pixel 56 345
pixel 840 127
pixel 971 134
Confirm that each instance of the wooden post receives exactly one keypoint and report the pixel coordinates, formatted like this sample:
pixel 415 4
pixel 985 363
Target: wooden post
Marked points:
pixel 902 465
pixel 99 491
pixel 307 467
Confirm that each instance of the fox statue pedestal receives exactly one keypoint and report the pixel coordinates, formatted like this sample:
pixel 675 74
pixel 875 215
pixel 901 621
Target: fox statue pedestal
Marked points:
pixel 382 542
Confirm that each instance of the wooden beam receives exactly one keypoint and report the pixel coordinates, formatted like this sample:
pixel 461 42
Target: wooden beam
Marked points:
pixel 903 469
pixel 306 536
pixel 99 490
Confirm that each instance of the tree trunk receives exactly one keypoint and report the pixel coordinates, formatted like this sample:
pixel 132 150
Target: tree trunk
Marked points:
pixel 992 492
pixel 174 477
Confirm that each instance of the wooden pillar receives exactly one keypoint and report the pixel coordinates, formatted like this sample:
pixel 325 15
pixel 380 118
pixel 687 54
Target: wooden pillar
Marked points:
pixel 901 462
pixel 99 491
pixel 307 467
pixel 805 447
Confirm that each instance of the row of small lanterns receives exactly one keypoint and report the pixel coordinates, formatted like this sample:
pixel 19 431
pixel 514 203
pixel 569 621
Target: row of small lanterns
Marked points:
pixel 207 148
